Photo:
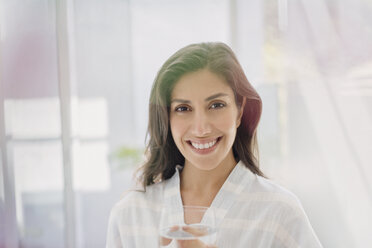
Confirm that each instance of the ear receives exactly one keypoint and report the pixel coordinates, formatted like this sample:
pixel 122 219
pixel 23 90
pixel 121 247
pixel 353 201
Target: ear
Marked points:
pixel 240 114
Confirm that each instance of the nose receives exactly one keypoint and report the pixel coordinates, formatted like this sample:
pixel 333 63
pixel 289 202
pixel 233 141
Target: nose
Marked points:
pixel 201 125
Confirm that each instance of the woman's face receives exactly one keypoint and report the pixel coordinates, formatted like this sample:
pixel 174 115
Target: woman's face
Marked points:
pixel 204 119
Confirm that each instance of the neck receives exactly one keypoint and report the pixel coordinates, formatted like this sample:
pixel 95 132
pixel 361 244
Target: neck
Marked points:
pixel 206 181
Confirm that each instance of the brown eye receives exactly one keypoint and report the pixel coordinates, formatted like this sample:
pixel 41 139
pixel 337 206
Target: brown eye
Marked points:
pixel 217 105
pixel 182 109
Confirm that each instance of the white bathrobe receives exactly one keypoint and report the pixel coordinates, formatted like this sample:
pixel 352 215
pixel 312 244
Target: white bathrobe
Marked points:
pixel 251 211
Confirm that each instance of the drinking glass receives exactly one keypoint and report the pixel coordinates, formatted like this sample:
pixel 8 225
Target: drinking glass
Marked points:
pixel 189 226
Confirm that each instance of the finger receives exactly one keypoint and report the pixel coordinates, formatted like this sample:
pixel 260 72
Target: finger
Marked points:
pixel 191 244
pixel 195 231
pixel 166 241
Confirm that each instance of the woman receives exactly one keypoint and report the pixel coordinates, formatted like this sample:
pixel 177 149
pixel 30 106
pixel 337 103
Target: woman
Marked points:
pixel 202 150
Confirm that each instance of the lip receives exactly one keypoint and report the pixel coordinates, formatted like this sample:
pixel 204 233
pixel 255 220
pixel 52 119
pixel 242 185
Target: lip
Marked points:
pixel 207 150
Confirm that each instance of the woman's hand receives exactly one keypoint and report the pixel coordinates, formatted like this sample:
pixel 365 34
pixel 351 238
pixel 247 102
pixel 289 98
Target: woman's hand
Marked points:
pixel 193 244
pixel 196 243
pixel 165 241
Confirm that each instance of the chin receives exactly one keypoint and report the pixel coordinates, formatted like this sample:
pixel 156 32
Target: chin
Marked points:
pixel 204 165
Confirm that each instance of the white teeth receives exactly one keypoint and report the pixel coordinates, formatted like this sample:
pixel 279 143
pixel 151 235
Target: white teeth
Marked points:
pixel 204 146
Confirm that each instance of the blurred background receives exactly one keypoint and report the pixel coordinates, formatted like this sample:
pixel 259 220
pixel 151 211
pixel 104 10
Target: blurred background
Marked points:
pixel 74 89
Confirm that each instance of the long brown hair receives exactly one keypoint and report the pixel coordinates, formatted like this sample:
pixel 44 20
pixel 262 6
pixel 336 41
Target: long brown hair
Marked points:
pixel 162 153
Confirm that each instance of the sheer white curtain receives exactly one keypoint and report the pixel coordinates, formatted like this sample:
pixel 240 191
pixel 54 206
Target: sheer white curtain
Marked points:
pixel 328 64
pixel 320 58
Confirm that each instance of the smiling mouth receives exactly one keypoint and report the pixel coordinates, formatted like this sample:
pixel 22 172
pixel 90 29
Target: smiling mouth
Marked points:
pixel 205 146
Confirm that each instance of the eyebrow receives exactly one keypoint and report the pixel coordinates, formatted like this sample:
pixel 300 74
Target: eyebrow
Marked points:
pixel 206 99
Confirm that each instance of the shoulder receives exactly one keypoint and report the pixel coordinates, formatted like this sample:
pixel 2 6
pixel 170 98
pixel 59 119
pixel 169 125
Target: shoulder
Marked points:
pixel 149 198
pixel 274 207
pixel 136 210
pixel 286 210
pixel 273 197
pixel 271 188
pixel 262 190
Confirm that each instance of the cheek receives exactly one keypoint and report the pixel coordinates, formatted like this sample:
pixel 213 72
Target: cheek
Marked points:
pixel 226 123
pixel 177 127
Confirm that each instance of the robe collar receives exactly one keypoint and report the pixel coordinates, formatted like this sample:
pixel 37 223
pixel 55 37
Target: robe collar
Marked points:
pixel 239 178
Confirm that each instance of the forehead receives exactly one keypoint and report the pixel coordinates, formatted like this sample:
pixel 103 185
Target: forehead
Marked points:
pixel 202 83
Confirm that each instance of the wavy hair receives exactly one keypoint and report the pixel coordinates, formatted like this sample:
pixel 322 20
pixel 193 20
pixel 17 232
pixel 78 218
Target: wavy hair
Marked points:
pixel 161 151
